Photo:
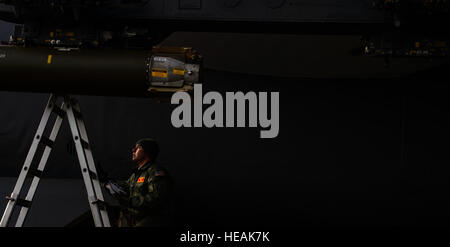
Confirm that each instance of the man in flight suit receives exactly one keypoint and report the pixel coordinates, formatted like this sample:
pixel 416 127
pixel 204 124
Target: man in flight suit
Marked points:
pixel 146 195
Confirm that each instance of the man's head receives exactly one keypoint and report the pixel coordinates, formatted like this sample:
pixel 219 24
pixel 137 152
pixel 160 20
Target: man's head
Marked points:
pixel 145 150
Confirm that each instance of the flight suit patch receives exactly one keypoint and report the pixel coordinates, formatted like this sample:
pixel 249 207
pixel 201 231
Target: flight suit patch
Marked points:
pixel 141 180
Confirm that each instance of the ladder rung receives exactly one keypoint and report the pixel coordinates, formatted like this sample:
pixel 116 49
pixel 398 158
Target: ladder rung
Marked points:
pixel 23 203
pixel 35 172
pixel 84 144
pixel 60 112
pixel 46 141
pixel 101 204
pixel 77 114
pixel 92 174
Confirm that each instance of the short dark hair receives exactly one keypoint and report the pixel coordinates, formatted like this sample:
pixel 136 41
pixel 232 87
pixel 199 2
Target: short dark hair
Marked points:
pixel 150 147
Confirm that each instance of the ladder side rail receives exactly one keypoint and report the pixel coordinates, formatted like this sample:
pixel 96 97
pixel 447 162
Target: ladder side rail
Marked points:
pixel 91 165
pixel 41 167
pixel 83 164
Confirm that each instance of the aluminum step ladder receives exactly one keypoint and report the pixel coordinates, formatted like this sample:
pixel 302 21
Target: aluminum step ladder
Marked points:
pixel 70 108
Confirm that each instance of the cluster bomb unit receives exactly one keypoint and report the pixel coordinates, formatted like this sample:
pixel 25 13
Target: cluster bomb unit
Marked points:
pixel 76 46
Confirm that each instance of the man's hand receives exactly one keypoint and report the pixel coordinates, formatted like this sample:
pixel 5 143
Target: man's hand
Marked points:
pixel 114 189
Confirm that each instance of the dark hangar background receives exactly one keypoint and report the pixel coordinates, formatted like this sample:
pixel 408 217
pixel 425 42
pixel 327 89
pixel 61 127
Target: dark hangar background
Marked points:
pixel 360 145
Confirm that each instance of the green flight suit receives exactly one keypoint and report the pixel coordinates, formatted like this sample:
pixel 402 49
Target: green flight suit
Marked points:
pixel 147 198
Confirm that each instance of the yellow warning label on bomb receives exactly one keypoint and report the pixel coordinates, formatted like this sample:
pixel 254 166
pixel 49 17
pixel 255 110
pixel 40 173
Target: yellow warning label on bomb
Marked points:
pixel 159 73
pixel 49 59
pixel 178 71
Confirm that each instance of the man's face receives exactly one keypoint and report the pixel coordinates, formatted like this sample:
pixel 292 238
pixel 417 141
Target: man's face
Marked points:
pixel 138 154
